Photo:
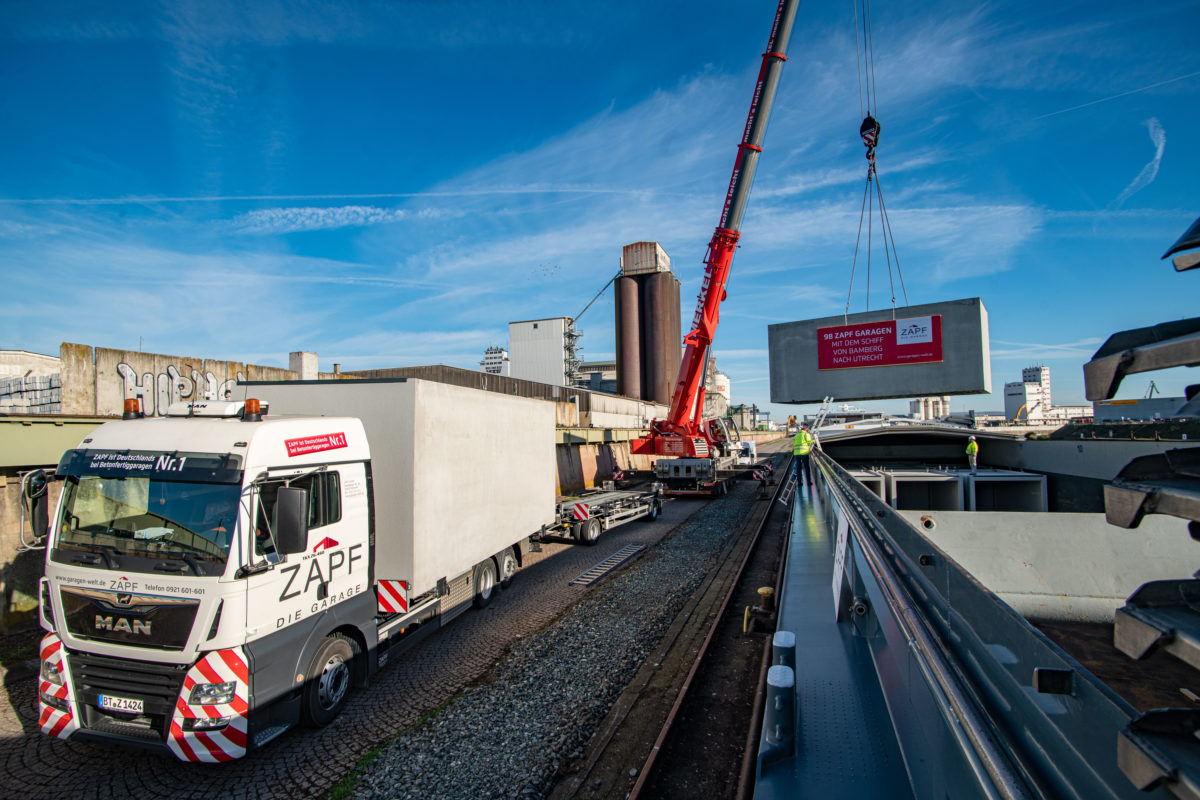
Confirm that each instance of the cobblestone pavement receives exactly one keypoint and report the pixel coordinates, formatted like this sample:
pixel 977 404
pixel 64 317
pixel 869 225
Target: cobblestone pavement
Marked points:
pixel 308 763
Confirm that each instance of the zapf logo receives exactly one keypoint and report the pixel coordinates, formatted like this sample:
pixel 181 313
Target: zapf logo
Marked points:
pixel 324 544
pixel 123 585
pixel 917 330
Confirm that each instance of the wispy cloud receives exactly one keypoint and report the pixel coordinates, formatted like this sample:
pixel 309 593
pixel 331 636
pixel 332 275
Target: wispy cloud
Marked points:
pixel 1031 351
pixel 536 188
pixel 1149 172
pixel 291 220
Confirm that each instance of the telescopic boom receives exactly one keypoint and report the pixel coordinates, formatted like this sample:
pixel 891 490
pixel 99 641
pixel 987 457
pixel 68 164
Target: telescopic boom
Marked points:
pixel 687 401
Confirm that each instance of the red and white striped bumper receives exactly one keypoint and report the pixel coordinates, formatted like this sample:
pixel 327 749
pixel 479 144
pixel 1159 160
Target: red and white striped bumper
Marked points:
pixel 51 720
pixel 221 744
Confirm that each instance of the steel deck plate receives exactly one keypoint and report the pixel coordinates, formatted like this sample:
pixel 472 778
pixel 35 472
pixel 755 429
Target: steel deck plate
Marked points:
pixel 845 745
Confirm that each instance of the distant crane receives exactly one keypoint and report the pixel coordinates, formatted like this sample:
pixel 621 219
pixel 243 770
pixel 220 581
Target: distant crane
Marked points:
pixel 1153 388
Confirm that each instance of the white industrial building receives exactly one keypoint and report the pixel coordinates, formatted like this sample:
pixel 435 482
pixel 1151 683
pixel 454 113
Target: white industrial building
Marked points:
pixel 496 361
pixel 545 350
pixel 1029 400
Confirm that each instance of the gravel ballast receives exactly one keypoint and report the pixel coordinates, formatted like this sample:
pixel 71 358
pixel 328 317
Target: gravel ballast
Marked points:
pixel 507 736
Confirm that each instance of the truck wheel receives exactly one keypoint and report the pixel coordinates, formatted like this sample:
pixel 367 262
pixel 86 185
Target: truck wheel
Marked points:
pixel 508 567
pixel 330 674
pixel 589 532
pixel 485 583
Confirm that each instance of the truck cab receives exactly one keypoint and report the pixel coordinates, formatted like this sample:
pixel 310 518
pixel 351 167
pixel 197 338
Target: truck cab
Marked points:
pixel 207 579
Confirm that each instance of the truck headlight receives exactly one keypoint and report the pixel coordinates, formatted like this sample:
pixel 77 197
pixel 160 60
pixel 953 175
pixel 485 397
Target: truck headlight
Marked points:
pixel 52 672
pixel 212 694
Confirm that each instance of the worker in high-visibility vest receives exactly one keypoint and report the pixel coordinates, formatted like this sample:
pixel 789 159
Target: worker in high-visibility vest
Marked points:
pixel 972 453
pixel 802 445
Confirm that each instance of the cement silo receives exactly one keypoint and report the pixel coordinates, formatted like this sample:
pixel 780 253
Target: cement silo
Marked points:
pixel 648 351
pixel 629 339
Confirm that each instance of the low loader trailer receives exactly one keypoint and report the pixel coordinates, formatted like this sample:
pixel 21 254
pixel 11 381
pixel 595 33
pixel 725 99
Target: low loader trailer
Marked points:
pixel 585 516
pixel 218 575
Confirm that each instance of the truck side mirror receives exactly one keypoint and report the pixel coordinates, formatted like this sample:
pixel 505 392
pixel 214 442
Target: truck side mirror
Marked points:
pixel 291 521
pixel 34 487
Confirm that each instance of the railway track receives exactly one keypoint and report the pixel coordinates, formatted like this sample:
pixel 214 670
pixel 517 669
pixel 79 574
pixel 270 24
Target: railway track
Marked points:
pixel 679 729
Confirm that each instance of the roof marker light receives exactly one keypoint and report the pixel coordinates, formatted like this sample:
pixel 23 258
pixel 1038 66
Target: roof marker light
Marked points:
pixel 252 411
pixel 133 409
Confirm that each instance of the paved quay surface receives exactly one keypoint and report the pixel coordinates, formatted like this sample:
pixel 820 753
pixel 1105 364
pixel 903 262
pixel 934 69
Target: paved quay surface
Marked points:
pixel 306 763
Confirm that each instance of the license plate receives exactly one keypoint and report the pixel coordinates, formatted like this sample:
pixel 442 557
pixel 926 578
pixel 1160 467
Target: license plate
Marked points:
pixel 126 704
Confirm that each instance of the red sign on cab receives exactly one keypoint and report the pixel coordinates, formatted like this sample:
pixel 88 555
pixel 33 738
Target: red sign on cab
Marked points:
pixel 314 444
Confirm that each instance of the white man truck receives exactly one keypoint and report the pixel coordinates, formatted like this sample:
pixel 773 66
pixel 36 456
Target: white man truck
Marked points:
pixel 218 575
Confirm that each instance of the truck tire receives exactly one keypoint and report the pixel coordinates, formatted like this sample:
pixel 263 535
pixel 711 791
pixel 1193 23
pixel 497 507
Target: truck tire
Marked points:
pixel 589 532
pixel 330 675
pixel 508 567
pixel 485 583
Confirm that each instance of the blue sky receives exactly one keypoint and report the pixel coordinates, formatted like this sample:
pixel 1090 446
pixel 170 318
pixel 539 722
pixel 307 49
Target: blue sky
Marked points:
pixel 391 183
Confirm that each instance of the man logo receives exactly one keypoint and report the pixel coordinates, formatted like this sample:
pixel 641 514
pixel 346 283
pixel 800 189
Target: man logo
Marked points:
pixel 124 599
pixel 122 625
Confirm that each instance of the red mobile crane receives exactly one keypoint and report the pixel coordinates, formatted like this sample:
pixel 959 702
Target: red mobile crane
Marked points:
pixel 702 448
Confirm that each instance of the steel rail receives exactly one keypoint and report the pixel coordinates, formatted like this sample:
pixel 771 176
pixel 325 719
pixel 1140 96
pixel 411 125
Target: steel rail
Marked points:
pixel 648 765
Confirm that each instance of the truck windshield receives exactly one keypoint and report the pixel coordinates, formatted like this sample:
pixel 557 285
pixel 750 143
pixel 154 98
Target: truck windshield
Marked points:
pixel 145 518
pixel 145 522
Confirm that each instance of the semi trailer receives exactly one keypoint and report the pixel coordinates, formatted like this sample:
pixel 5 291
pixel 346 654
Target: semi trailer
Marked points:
pixel 218 575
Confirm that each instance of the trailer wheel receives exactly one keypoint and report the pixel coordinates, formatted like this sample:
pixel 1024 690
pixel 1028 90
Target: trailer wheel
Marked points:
pixel 655 508
pixel 485 583
pixel 330 674
pixel 589 532
pixel 508 567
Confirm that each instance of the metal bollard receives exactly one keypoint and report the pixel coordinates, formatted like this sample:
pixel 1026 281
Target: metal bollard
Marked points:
pixel 779 721
pixel 783 649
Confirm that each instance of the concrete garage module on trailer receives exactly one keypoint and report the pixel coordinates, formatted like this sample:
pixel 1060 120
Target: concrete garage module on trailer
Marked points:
pixel 218 575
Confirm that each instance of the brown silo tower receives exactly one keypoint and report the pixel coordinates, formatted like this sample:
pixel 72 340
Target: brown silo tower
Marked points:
pixel 648 325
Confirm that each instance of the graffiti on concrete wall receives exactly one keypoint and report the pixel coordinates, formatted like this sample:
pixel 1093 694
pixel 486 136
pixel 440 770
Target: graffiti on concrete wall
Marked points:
pixel 99 381
pixel 156 392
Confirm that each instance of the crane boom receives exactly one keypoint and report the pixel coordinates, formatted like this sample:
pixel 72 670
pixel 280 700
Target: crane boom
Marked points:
pixel 687 401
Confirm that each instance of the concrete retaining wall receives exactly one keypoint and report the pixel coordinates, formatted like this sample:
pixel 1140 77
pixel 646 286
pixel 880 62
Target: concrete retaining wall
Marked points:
pixel 98 381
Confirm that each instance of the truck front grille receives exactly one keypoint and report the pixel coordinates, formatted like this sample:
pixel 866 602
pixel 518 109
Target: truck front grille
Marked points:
pixel 156 685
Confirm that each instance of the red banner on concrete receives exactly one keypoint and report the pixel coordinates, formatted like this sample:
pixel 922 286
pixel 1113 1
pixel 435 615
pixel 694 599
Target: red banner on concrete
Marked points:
pixel 915 340
pixel 314 444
